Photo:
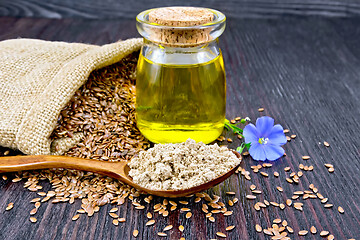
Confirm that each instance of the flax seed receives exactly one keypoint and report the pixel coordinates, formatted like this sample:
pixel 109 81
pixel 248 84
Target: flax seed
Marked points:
pixel 188 215
pixel 305 157
pixel 328 165
pixel 276 174
pixel 331 237
pixel 288 202
pixel 149 223
pixel 303 232
pixel 211 219
pixel 268 232
pixel 135 233
pixel 261 109
pixel 331 170
pixel 341 210
pixel 181 228
pixel 33 211
pixel 168 228
pixel 220 234
pixel 161 234
pixel 251 197
pixel 280 189
pixel 258 228
pixel 287 169
pixel 326 144
pixel 252 187
pixel 9 206
pixel 328 205
pixel 264 174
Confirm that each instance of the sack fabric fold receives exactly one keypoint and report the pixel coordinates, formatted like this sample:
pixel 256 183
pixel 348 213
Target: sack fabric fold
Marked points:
pixel 38 78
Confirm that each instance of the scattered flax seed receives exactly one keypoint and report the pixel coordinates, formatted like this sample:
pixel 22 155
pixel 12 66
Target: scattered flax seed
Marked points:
pixel 9 206
pixel 173 208
pixel 211 219
pixel 162 234
pixel 331 170
pixel 328 205
pixel 229 228
pixel 231 203
pixel 135 233
pixel 268 165
pixel 289 180
pixel 121 220
pixel 264 174
pixel 16 180
pixel 288 138
pixel 168 228
pixel 331 237
pixel 229 140
pixel 288 202
pixel 282 206
pixel 251 197
pixel 185 209
pixel 245 153
pixel 261 109
pixel 324 233
pixel 188 215
pixel 37 204
pixel 233 121
pixel 328 165
pixel 4 177
pixel 184 202
pixel 258 228
pixel 326 144
pixel 228 213
pixel 220 234
pixel 299 193
pixel 252 187
pixel 341 210
pixel 268 232
pixel 76 217
pixel 275 204
pixel 149 223
pixel 277 220
pixel 286 130
pixel 33 211
pixel 198 199
pixel 303 232
pixel 256 191
pixel 230 193
pixel 149 215
pixel 324 200
pixel 305 157
pixel 181 228
pixel 289 229
pixel 313 230
pixel 35 200
pixel 33 220
pixel 115 222
pixel 287 169
pixel 293 136
pixel 113 210
pixel 280 189
pixel 311 167
pixel 235 200
pixel 276 174
pixel 113 215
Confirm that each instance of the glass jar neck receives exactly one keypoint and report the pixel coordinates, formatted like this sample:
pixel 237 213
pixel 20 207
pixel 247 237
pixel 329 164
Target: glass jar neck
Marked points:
pixel 163 54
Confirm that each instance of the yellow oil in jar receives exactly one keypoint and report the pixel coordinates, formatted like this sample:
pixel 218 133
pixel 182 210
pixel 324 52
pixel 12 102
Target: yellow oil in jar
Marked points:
pixel 176 102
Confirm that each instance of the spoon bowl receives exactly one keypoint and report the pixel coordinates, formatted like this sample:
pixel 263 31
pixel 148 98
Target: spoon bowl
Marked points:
pixel 118 170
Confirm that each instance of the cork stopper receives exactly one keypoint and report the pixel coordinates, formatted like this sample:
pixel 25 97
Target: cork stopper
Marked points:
pixel 181 25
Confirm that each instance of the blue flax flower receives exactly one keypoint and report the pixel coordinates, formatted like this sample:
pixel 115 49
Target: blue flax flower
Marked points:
pixel 266 139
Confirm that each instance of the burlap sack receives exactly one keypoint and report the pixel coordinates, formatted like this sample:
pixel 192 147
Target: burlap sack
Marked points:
pixel 38 78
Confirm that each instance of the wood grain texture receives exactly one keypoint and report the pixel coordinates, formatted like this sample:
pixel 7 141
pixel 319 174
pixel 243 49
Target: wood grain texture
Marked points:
pixel 129 9
pixel 305 72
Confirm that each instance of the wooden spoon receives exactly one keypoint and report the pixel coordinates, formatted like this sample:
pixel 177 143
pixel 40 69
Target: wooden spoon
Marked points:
pixel 118 170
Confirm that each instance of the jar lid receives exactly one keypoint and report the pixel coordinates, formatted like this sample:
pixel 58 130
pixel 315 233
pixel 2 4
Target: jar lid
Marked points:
pixel 181 16
pixel 181 26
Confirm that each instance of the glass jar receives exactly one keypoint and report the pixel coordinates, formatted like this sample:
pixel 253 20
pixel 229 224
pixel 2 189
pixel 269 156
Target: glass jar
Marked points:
pixel 180 83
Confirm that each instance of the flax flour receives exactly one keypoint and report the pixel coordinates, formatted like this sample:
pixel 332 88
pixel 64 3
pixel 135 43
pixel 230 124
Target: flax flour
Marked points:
pixel 181 165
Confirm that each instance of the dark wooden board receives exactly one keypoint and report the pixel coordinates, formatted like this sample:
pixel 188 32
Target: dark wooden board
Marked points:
pixel 305 72
pixel 129 9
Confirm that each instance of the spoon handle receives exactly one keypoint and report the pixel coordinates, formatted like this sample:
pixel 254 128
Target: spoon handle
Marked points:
pixel 34 162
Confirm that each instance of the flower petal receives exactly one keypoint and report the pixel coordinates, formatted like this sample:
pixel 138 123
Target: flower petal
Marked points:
pixel 264 126
pixel 273 152
pixel 251 134
pixel 277 135
pixel 257 152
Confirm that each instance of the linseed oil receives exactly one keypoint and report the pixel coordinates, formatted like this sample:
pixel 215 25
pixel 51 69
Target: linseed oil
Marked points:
pixel 180 101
